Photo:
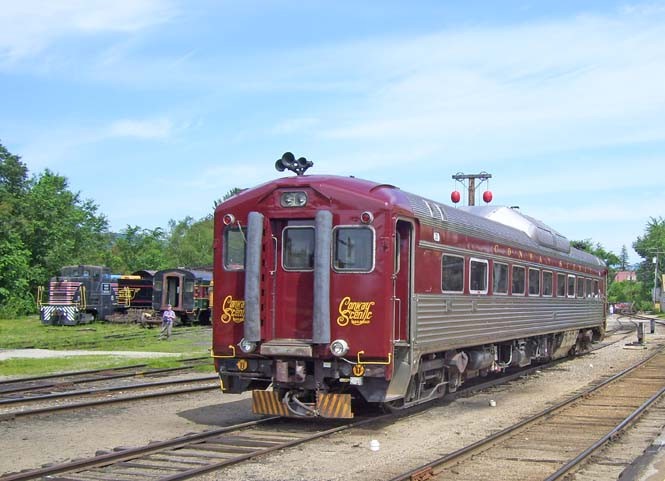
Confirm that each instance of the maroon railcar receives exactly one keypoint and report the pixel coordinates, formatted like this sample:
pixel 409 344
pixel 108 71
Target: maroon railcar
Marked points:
pixel 333 289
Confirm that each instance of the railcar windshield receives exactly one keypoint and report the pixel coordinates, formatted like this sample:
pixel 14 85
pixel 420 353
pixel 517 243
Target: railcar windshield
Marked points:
pixel 234 249
pixel 353 249
pixel 298 248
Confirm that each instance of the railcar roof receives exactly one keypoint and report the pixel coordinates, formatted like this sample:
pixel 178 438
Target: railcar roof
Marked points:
pixel 501 223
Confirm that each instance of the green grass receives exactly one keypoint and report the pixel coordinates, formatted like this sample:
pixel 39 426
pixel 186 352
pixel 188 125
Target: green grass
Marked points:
pixel 28 332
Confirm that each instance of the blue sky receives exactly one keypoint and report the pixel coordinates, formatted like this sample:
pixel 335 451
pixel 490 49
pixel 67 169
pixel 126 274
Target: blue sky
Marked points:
pixel 155 108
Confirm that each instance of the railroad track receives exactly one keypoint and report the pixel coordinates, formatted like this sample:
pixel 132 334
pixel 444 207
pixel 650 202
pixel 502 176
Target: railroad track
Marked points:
pixel 53 382
pixel 553 443
pixel 193 454
pixel 65 392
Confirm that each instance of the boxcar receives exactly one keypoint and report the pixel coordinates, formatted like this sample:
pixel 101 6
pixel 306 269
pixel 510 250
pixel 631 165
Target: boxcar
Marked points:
pixel 332 290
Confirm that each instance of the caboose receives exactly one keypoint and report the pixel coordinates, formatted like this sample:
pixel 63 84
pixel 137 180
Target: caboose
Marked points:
pixel 334 290
pixel 187 290
pixel 80 294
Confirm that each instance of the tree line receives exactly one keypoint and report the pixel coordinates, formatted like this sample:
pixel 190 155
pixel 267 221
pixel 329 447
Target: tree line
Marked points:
pixel 44 226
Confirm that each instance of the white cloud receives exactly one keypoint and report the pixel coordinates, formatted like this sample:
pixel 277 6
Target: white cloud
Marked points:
pixel 28 27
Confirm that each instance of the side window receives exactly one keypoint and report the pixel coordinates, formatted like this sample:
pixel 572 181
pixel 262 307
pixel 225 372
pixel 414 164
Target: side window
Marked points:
pixel 547 283
pixel 589 289
pixel 353 249
pixel 234 249
pixel 580 287
pixel 596 290
pixel 298 248
pixel 561 285
pixel 571 286
pixel 452 273
pixel 478 276
pixel 518 280
pixel 534 282
pixel 500 278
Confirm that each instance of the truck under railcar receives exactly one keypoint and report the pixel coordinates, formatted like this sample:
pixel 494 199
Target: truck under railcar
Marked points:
pixel 333 290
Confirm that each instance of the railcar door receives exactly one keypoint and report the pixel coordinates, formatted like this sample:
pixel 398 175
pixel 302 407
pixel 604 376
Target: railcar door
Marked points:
pixel 402 281
pixel 293 279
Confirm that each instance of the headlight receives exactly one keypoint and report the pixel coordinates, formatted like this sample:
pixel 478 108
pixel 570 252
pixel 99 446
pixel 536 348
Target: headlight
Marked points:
pixel 339 347
pixel 247 346
pixel 293 199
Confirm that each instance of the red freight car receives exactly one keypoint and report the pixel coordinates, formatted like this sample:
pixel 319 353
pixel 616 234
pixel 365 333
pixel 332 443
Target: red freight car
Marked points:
pixel 334 289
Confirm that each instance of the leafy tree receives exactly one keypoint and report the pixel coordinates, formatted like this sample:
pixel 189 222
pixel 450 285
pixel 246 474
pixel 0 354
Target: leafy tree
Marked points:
pixel 648 246
pixel 228 195
pixel 135 248
pixel 629 291
pixel 15 270
pixel 60 228
pixel 190 242
pixel 610 258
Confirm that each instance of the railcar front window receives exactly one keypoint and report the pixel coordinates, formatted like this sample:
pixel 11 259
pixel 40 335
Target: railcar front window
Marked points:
pixel 518 280
pixel 478 276
pixel 298 249
pixel 189 286
pixel 571 286
pixel 547 283
pixel 561 285
pixel 534 282
pixel 234 249
pixel 353 249
pixel 500 278
pixel 452 274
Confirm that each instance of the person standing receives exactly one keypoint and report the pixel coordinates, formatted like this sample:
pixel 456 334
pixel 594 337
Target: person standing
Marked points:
pixel 168 316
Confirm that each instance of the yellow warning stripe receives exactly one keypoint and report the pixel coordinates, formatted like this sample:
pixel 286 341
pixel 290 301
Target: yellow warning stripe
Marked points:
pixel 268 402
pixel 334 405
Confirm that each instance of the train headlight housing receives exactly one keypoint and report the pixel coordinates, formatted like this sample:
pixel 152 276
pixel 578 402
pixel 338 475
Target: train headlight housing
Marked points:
pixel 247 346
pixel 293 199
pixel 339 347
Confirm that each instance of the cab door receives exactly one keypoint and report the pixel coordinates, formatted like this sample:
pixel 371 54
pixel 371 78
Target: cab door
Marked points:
pixel 402 282
pixel 292 287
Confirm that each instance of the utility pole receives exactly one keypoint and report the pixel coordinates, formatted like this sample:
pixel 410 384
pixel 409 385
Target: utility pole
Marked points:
pixel 471 188
pixel 656 253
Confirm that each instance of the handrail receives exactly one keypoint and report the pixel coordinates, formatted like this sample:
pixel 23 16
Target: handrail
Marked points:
pixel 384 363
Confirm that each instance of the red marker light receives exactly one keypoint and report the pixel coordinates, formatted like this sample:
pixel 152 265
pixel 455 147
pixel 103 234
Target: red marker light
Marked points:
pixel 487 196
pixel 455 196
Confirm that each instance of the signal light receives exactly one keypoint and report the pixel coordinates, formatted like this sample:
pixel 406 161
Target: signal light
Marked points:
pixel 455 196
pixel 228 219
pixel 366 217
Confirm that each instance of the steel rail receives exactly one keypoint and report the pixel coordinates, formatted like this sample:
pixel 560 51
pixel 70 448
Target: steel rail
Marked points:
pixel 101 402
pixel 426 471
pixel 91 380
pixel 85 392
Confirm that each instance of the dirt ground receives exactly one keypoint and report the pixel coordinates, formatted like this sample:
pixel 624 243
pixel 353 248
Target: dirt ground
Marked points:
pixel 406 443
